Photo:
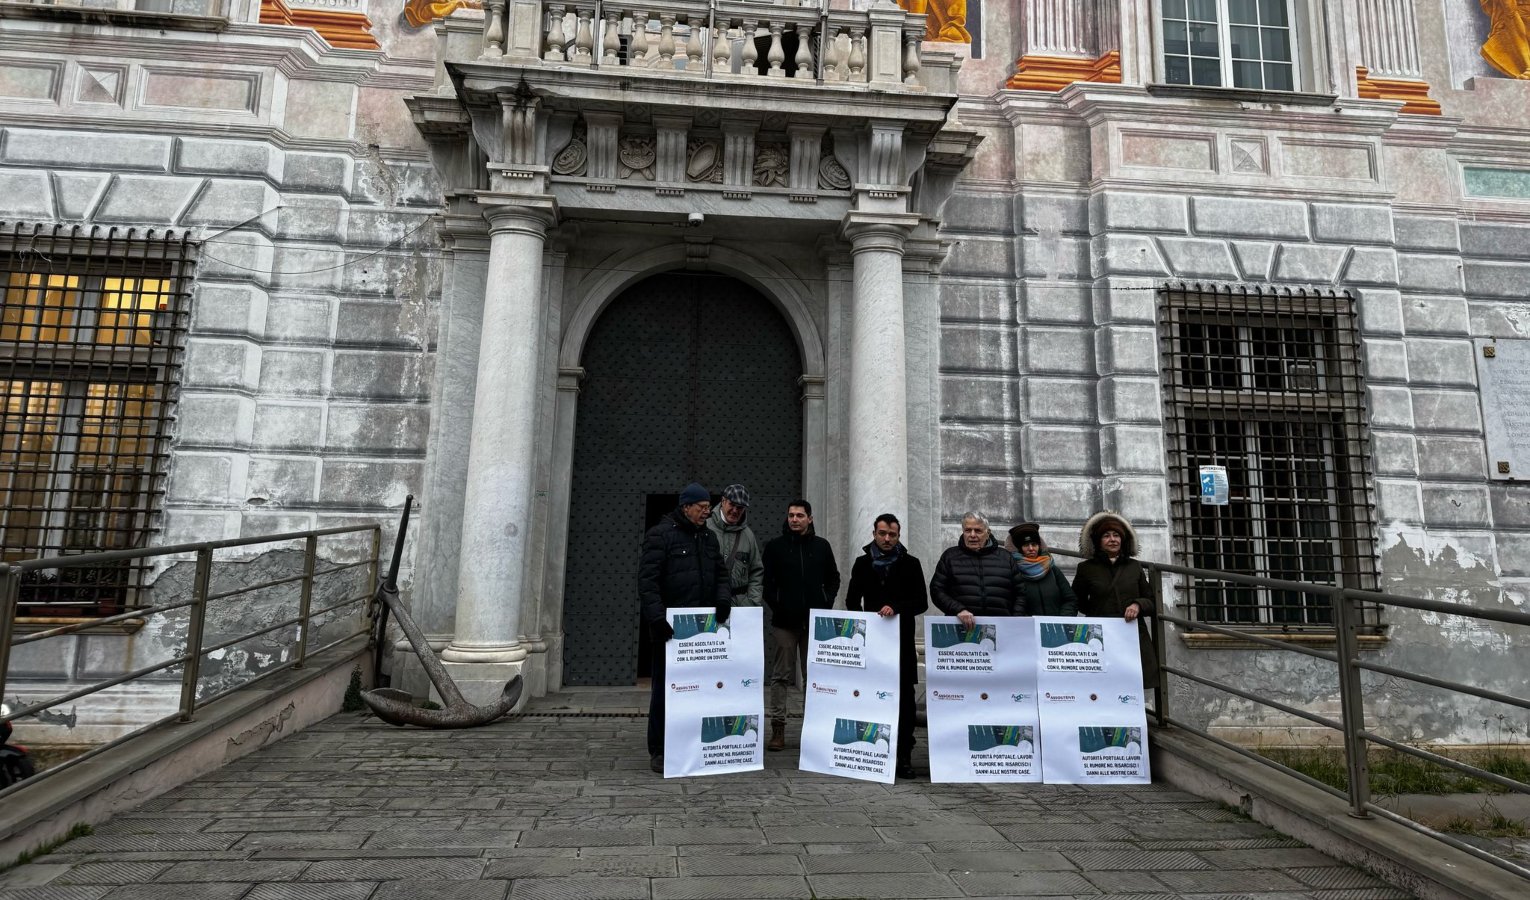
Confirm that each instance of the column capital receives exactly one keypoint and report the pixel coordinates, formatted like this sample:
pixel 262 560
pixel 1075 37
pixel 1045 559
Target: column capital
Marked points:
pixel 877 231
pixel 526 213
pixel 463 233
pixel 569 378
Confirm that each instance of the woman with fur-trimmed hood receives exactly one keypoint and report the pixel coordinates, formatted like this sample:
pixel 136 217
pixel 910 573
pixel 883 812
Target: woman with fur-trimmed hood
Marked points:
pixel 1111 583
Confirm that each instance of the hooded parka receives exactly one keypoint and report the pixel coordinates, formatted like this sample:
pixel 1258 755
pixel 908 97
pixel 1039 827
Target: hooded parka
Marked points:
pixel 1105 587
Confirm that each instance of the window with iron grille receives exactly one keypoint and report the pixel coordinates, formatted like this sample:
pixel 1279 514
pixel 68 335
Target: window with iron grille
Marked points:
pixel 91 329
pixel 1268 384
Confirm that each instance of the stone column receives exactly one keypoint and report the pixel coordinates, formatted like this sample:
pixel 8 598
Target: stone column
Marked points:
pixel 1390 68
pixel 497 508
pixel 878 429
pixel 815 483
pixel 438 527
pixel 1062 43
pixel 561 485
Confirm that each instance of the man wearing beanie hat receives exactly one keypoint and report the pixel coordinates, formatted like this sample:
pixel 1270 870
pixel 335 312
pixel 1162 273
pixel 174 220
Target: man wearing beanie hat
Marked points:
pixel 681 566
pixel 740 548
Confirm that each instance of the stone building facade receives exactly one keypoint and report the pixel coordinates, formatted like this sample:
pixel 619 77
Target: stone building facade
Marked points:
pixel 540 266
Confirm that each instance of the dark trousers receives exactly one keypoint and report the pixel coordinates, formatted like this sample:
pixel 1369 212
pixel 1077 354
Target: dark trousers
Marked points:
pixel 906 725
pixel 656 702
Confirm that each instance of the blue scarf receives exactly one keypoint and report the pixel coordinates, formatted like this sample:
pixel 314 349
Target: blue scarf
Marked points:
pixel 881 562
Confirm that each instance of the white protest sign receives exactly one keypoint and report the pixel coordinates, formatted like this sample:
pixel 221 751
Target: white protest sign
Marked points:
pixel 850 719
pixel 715 698
pixel 1093 719
pixel 981 697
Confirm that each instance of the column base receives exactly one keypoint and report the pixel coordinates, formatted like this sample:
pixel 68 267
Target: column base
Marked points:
pixel 482 684
pixel 534 669
pixel 1034 72
pixel 1414 94
pixel 484 653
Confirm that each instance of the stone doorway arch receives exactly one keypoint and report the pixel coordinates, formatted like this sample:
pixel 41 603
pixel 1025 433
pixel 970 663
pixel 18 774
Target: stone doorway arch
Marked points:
pixel 687 376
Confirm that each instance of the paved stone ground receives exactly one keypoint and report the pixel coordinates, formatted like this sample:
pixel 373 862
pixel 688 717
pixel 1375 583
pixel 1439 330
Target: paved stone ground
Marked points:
pixel 557 806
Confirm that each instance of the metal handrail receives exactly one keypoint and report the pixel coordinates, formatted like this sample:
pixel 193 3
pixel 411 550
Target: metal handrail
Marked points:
pixel 1351 725
pixel 190 659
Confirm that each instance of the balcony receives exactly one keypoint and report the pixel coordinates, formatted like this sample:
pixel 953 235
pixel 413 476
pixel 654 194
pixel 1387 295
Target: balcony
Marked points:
pixel 732 108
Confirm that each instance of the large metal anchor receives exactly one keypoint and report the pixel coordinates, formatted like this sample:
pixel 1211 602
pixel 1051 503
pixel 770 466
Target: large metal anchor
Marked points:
pixel 396 707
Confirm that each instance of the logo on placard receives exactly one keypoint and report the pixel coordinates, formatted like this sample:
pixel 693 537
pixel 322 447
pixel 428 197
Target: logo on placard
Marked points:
pixel 1019 698
pixel 947 695
pixel 983 696
pixel 1060 698
pixel 883 695
pixel 747 682
pixel 719 685
pixel 824 689
pixel 684 688
pixel 1128 699
pixel 1094 696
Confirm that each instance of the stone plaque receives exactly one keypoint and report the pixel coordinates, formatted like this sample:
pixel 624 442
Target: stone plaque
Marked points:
pixel 1503 371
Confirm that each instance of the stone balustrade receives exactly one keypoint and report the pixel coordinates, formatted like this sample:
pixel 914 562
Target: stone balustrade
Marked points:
pixel 723 39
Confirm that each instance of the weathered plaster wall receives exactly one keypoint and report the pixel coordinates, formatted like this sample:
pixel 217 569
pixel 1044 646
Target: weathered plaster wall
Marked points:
pixel 303 400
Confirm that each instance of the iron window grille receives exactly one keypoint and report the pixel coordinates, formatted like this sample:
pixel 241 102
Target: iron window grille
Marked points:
pixel 1269 385
pixel 91 332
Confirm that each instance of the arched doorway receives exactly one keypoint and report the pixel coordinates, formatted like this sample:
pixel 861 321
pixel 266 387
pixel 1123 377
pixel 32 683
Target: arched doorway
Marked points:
pixel 687 377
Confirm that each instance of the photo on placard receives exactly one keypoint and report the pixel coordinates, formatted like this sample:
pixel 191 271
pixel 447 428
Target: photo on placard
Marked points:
pixel 854 731
pixel 689 625
pixel 728 729
pixel 1056 634
pixel 944 635
pixel 1110 741
pixel 830 628
pixel 1001 740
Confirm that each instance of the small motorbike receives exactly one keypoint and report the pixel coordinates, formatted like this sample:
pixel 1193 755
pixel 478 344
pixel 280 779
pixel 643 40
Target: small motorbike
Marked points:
pixel 15 763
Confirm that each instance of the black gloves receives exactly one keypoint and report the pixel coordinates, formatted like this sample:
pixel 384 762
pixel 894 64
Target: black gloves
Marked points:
pixel 722 614
pixel 661 631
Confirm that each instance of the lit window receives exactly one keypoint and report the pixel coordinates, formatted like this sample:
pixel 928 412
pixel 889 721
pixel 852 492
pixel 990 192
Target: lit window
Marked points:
pixel 1229 43
pixel 89 354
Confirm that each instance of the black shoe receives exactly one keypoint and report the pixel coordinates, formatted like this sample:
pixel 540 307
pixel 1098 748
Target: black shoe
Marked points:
pixel 656 763
pixel 905 771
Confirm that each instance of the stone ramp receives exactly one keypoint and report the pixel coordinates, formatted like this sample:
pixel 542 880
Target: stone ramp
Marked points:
pixel 554 805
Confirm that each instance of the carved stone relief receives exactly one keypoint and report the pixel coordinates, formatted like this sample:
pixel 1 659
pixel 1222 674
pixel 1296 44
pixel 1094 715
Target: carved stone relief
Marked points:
pixel 636 154
pixel 832 174
pixel 574 157
pixel 704 160
pixel 771 163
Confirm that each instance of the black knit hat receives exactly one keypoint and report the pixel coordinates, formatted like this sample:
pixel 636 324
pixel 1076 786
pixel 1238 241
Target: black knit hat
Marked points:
pixel 694 493
pixel 1024 530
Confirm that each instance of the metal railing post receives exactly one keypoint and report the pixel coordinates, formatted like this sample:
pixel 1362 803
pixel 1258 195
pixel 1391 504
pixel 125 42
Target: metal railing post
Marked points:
pixel 1352 703
pixel 305 598
pixel 1160 649
pixel 10 597
pixel 372 588
pixel 194 635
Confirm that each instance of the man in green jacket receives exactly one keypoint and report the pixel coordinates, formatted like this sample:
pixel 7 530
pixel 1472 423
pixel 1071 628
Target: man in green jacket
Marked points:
pixel 742 556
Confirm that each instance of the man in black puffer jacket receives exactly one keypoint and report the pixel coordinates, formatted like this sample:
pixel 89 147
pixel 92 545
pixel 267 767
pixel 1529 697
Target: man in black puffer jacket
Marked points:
pixel 800 575
pixel 976 577
pixel 681 566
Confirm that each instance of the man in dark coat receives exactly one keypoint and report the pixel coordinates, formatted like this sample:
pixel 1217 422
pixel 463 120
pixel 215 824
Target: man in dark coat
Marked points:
pixel 800 575
pixel 681 566
pixel 888 580
pixel 1111 584
pixel 976 577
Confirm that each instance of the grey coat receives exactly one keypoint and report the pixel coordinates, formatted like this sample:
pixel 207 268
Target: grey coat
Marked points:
pixel 747 575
